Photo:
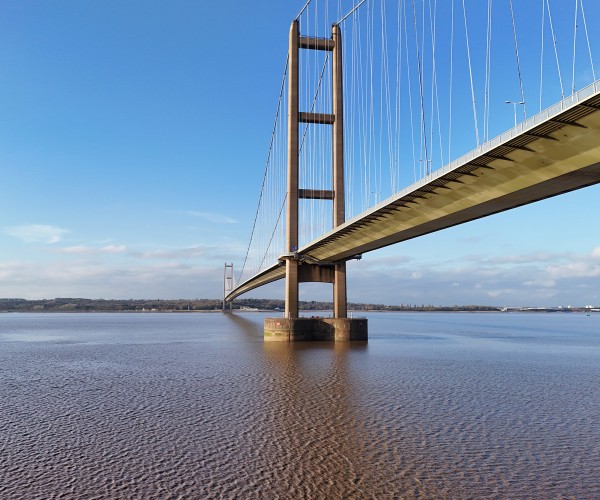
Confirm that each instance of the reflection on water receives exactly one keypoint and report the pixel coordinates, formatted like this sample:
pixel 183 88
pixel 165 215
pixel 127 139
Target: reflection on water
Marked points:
pixel 197 406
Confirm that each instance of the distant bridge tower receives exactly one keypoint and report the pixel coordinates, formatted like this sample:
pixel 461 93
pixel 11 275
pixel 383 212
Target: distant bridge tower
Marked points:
pixel 297 271
pixel 228 284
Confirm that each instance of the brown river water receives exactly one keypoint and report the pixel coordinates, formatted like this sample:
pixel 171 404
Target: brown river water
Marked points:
pixel 194 405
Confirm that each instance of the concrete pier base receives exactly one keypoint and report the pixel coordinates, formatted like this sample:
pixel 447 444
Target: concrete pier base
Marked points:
pixel 308 329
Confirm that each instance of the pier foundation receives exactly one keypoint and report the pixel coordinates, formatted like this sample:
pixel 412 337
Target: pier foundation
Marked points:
pixel 307 329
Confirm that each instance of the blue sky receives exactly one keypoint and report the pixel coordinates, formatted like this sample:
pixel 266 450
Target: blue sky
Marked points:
pixel 133 137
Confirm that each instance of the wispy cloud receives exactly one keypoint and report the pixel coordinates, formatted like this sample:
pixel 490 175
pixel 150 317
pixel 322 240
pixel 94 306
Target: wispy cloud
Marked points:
pixel 113 249
pixel 206 252
pixel 536 257
pixel 574 270
pixel 541 278
pixel 37 233
pixel 36 280
pixel 208 216
pixel 387 261
pixel 174 253
pixel 90 250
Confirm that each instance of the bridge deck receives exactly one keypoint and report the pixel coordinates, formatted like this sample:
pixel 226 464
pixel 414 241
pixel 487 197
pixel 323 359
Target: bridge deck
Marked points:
pixel 551 153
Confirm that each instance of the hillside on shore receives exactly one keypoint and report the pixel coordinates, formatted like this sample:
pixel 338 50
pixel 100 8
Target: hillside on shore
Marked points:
pixel 179 305
pixel 198 305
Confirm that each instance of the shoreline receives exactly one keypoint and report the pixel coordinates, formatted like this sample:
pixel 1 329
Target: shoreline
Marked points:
pixel 328 313
pixel 273 306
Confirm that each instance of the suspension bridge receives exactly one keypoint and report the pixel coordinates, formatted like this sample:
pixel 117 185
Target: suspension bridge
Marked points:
pixel 396 120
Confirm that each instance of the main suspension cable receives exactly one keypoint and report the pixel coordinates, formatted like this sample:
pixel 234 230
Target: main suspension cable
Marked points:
pixel 268 162
pixel 351 12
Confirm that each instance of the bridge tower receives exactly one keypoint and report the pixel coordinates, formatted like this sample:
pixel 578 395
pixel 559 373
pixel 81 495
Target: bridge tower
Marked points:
pixel 292 327
pixel 228 284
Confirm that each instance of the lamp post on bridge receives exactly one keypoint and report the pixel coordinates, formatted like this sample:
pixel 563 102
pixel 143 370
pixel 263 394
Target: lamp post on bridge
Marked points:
pixel 514 103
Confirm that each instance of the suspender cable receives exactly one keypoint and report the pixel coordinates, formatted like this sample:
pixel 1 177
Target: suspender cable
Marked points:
pixel 574 47
pixel 435 101
pixel 450 81
pixel 281 210
pixel 396 185
pixel 562 91
pixel 371 104
pixel 542 55
pixel 488 49
pixel 314 101
pixel 512 16
pixel 386 92
pixel 471 74
pixel 419 70
pixel 424 143
pixel 588 41
pixel 412 128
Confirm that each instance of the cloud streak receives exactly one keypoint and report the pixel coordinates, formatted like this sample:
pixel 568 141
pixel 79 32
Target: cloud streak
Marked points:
pixel 37 233
pixel 35 280
pixel 175 253
pixel 89 250
pixel 542 279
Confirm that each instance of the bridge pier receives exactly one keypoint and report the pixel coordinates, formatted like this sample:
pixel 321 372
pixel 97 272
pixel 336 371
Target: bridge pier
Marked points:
pixel 320 329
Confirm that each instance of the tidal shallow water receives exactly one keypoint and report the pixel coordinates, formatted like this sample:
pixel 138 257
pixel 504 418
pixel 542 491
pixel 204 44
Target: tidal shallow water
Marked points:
pixel 195 405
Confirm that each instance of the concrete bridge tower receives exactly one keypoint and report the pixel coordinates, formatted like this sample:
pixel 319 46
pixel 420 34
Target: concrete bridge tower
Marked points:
pixel 292 327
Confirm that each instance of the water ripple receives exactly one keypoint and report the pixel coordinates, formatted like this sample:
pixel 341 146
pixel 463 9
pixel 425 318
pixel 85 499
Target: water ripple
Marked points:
pixel 236 418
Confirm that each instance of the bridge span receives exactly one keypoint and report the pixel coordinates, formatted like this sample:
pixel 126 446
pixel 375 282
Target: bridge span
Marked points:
pixel 551 153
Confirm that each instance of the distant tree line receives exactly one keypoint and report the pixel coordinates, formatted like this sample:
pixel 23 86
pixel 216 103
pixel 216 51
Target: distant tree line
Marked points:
pixel 101 305
pixel 140 305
